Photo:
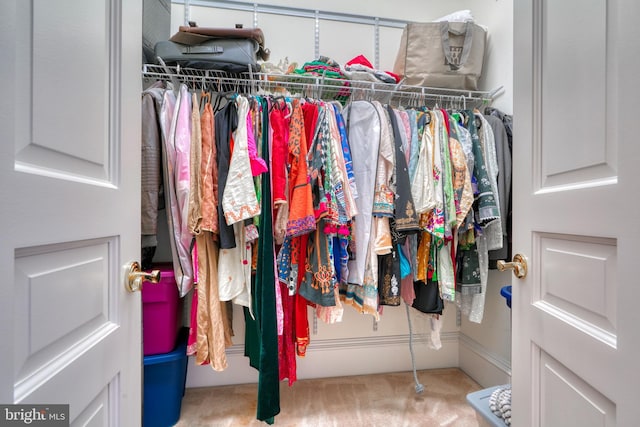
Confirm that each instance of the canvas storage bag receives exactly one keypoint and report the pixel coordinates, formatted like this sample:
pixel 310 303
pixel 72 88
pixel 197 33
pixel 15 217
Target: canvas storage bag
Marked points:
pixel 441 54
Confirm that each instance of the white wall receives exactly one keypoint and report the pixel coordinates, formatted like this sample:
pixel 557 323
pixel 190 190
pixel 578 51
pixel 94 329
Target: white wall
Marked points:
pixel 293 38
pixel 485 348
pixel 353 346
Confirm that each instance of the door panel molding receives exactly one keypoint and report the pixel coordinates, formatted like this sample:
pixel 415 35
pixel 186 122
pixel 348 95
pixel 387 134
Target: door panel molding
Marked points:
pixel 79 143
pixel 566 399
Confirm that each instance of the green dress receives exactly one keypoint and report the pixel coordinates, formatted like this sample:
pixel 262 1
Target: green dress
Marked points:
pixel 261 339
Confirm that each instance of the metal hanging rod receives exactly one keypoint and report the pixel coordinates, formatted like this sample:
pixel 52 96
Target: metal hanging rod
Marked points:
pixel 318 87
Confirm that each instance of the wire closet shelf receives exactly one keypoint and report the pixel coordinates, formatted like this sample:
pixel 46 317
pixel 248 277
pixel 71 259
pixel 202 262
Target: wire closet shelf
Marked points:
pixel 319 87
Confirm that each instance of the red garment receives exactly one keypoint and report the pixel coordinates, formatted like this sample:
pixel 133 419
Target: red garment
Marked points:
pixel 446 123
pixel 301 217
pixel 279 149
pixel 301 221
pixel 394 75
pixel 310 111
pixel 361 60
pixel 299 255
pixel 301 315
pixel 286 341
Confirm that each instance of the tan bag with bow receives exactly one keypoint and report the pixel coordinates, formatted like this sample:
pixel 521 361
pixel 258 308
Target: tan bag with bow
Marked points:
pixel 441 54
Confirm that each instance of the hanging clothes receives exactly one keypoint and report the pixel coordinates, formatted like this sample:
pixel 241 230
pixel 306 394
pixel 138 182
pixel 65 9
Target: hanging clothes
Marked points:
pixel 364 297
pixel 265 359
pixel 301 221
pixel 473 262
pixel 182 174
pixel 319 279
pixel 405 218
pixel 461 175
pixel 503 157
pixel 195 211
pixel 239 202
pixel 492 229
pixel 176 129
pixel 298 202
pixel 404 222
pixel 194 215
pixel 226 122
pixel 150 171
pixel 279 124
pixel 364 127
pixel 213 328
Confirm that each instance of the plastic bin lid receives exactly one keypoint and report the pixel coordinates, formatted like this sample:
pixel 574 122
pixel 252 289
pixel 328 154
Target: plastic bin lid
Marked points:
pixel 179 352
pixel 505 291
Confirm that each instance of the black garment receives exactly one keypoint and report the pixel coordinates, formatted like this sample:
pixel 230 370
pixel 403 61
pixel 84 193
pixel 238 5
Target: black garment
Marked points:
pixel 403 223
pixel 389 278
pixel 427 297
pixel 502 126
pixel 406 219
pixel 226 122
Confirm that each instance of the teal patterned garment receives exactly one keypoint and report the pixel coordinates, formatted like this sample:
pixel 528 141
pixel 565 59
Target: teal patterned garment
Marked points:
pixel 435 225
pixel 319 279
pixel 449 206
pixel 320 276
pixel 415 143
pixel 468 280
pixel 487 207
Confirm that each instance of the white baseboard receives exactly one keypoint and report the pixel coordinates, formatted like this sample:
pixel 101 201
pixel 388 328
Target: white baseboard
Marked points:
pixel 485 367
pixel 339 357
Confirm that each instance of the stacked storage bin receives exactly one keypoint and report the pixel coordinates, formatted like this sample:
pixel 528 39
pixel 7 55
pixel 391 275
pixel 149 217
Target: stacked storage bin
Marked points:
pixel 165 351
pixel 480 400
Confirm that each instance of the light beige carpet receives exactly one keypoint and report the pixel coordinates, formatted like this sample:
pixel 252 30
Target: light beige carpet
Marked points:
pixel 386 400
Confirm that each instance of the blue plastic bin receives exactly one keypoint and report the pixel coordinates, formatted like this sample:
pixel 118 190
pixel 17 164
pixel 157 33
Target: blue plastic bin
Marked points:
pixel 479 400
pixel 164 381
pixel 505 291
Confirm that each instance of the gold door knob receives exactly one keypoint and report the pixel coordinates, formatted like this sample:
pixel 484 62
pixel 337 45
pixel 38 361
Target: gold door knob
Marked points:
pixel 134 277
pixel 519 266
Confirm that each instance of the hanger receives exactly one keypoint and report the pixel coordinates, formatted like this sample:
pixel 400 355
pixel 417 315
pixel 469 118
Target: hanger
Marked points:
pixel 289 106
pixel 275 102
pixel 416 100
pixel 205 98
pixel 216 88
pixel 172 77
pixel 438 102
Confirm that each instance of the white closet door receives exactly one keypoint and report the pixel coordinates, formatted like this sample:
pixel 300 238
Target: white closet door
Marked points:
pixel 70 207
pixel 575 204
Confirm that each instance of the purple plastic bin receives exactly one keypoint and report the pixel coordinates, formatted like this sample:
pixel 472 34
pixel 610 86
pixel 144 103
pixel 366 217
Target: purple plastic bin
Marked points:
pixel 161 313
